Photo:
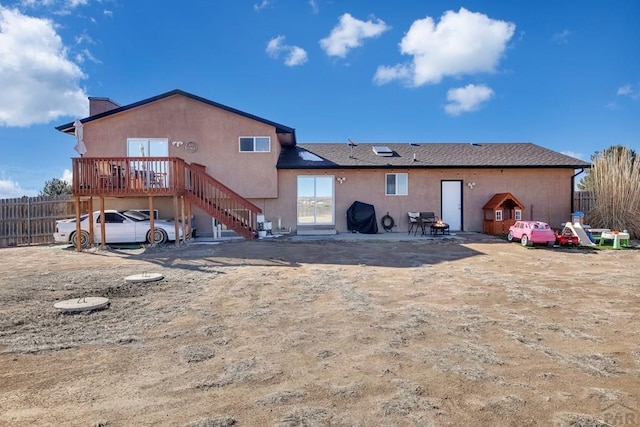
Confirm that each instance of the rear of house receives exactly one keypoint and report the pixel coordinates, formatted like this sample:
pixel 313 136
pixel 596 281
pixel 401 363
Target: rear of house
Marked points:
pixel 306 188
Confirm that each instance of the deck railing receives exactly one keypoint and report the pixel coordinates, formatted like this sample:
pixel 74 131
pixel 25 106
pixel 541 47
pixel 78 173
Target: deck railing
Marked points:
pixel 127 176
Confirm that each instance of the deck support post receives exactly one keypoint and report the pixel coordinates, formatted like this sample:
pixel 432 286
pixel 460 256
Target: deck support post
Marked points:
pixel 176 222
pixel 92 231
pixel 103 237
pixel 78 225
pixel 152 224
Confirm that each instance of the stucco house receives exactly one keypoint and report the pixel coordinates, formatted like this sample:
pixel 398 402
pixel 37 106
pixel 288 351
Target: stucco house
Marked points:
pixel 186 156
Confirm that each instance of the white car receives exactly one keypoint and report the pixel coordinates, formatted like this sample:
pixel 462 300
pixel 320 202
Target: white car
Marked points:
pixel 120 227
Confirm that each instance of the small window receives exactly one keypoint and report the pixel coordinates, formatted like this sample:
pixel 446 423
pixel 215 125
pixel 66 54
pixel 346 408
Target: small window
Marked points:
pixel 499 215
pixel 518 215
pixel 260 144
pixel 397 184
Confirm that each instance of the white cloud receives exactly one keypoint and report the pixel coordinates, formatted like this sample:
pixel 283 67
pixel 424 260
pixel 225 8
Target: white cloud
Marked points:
pixel 625 90
pixel 628 90
pixel 467 99
pixel 35 3
pixel 10 189
pixel 275 46
pixel 461 43
pixel 39 82
pixel 562 37
pixel 108 13
pixel 314 6
pixel 350 33
pixel 67 176
pixel 258 7
pixel 86 54
pixel 293 55
pixel 76 3
pixel 58 7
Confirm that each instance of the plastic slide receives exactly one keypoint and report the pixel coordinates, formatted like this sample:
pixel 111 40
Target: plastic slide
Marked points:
pixel 577 230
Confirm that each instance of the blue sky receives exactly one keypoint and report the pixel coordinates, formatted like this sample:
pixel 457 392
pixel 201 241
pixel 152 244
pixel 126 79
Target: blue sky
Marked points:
pixel 561 74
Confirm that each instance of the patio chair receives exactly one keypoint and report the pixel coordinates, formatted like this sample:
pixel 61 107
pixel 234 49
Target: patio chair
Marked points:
pixel 105 174
pixel 413 222
pixel 428 218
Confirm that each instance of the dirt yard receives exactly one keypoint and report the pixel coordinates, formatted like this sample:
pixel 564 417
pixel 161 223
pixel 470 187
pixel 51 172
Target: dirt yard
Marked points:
pixel 291 333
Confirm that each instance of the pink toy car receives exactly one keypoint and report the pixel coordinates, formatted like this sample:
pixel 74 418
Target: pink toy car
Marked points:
pixel 530 232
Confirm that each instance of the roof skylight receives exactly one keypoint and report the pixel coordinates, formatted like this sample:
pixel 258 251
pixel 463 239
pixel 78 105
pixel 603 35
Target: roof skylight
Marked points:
pixel 383 151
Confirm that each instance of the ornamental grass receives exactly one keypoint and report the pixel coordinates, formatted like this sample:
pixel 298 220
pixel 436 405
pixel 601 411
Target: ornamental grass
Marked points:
pixel 615 183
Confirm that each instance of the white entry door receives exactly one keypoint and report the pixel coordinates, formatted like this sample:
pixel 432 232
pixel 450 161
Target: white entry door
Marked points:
pixel 451 192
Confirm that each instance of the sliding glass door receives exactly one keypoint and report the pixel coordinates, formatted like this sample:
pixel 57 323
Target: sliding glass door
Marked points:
pixel 146 172
pixel 316 204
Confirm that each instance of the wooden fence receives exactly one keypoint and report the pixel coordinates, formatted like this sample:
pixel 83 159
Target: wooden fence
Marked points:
pixel 583 201
pixel 32 220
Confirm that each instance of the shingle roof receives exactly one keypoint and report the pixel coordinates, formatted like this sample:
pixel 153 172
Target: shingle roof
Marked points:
pixel 425 155
pixel 69 128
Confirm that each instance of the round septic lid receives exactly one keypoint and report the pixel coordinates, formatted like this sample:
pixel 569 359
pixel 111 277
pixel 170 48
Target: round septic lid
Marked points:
pixel 144 277
pixel 82 304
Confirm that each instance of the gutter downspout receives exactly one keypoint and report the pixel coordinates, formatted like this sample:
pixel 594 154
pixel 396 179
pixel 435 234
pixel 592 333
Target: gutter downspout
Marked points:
pixel 573 188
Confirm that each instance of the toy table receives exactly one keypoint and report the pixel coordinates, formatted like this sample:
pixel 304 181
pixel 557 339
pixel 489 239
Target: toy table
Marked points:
pixel 619 239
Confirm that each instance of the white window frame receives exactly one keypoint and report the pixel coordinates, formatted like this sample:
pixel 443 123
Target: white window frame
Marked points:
pixel 499 215
pixel 518 215
pixel 255 144
pixel 315 220
pixel 396 174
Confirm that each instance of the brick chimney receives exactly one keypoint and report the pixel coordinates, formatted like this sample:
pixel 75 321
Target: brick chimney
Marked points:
pixel 99 105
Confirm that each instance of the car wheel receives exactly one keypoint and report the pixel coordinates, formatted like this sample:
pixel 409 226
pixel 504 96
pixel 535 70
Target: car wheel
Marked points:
pixel 84 240
pixel 525 241
pixel 551 244
pixel 510 236
pixel 159 236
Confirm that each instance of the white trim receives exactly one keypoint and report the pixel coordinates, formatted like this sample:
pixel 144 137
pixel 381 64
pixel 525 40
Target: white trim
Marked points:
pixel 396 185
pixel 134 151
pixel 255 138
pixel 333 201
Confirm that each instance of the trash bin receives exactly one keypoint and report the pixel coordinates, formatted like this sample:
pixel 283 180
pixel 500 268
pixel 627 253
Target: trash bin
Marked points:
pixel 577 217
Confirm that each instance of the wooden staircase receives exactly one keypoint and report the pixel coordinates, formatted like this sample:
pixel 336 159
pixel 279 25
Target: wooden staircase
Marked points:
pixel 164 176
pixel 222 203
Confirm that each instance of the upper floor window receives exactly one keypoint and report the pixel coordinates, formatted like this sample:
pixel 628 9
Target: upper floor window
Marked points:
pixel 397 184
pixel 260 144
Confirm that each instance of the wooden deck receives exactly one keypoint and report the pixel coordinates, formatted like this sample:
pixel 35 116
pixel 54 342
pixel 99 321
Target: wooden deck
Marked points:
pixel 164 176
pixel 128 176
